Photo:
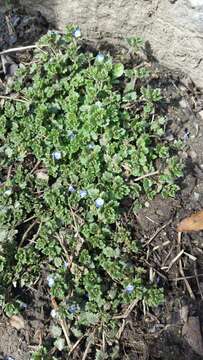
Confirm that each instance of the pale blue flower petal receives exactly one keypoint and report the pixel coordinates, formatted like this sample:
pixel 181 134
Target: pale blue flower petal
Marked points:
pixel 72 309
pixel 99 203
pixel 91 146
pixel 100 57
pixel 50 281
pixel 56 155
pixel 129 289
pixel 77 33
pixel 71 189
pixel 83 193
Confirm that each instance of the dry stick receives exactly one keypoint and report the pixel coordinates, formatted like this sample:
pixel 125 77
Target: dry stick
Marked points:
pixel 165 243
pixel 182 271
pixel 103 341
pixel 35 167
pixel 120 331
pixel 62 323
pixel 37 234
pixel 146 175
pixel 88 345
pixel 128 311
pixel 185 280
pixel 30 218
pixel 9 172
pixel 186 277
pixel 191 257
pixel 64 249
pixel 195 272
pixel 75 345
pixel 22 48
pixel 167 256
pixel 156 233
pixel 26 233
pixel 175 259
pixel 12 98
pixel 155 270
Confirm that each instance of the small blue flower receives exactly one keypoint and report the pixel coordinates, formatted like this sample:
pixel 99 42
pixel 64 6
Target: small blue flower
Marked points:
pixel 71 135
pixel 56 155
pixel 99 104
pixel 100 57
pixel 83 193
pixel 53 313
pixel 8 192
pixel 186 135
pixel 71 189
pixel 77 33
pixel 65 264
pixel 50 281
pixel 23 305
pixel 91 146
pixel 99 203
pixel 72 309
pixel 129 289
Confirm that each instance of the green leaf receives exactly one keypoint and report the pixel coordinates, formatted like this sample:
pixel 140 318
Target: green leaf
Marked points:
pixel 131 96
pixel 100 355
pixel 88 318
pixel 59 343
pixel 56 331
pixel 118 70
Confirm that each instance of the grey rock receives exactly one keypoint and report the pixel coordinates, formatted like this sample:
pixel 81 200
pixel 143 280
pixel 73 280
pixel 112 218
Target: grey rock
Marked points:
pixel 174 30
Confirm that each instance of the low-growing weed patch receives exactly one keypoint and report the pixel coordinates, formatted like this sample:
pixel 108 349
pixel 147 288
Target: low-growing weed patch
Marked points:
pixel 77 143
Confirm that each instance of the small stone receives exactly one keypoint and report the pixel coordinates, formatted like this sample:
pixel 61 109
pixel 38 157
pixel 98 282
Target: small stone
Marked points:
pixel 196 196
pixel 201 114
pixel 192 333
pixel 17 322
pixel 192 154
pixel 183 103
pixel 41 175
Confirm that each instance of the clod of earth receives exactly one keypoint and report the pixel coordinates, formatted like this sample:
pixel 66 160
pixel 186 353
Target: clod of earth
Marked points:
pixel 192 223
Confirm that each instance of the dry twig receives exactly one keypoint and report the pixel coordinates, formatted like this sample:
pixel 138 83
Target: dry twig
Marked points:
pixel 22 48
pixel 146 175
pixel 157 232
pixel 182 271
pixel 128 311
pixel 12 98
pixel 88 345
pixel 26 233
pixel 62 323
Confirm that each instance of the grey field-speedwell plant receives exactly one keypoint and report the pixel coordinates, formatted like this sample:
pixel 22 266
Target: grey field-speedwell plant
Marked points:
pixel 73 144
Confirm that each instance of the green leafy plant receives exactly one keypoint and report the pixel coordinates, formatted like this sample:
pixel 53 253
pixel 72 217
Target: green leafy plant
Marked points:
pixel 73 146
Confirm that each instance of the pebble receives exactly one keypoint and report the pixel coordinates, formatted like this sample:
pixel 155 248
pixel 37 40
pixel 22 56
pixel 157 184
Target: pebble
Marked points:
pixel 183 103
pixel 201 114
pixel 196 196
pixel 192 154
